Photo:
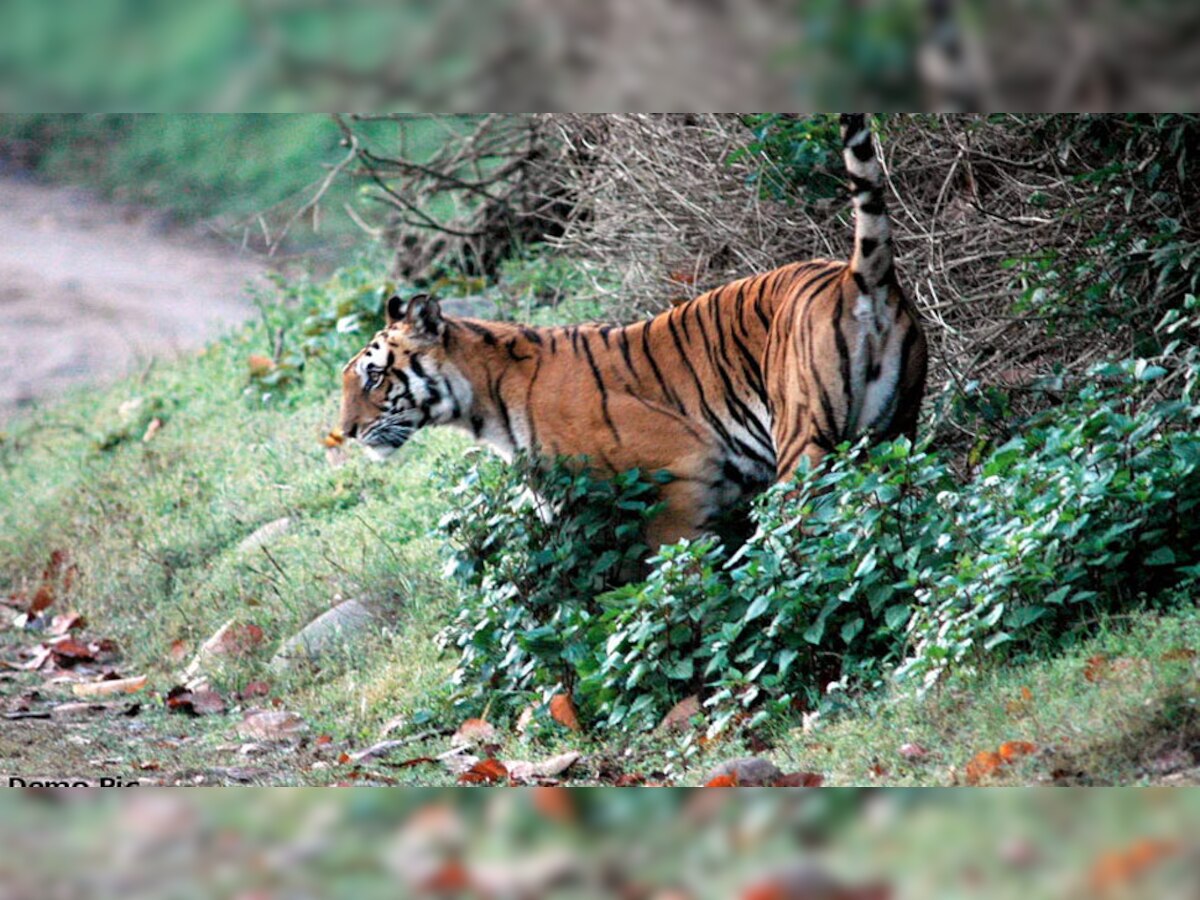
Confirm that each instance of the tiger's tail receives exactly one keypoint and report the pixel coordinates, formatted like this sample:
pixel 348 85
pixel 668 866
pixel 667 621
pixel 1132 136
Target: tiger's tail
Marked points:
pixel 871 264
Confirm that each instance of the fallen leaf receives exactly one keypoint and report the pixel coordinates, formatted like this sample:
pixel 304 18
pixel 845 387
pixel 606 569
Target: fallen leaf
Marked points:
pixel 984 764
pixel 912 751
pixel 194 702
pixel 486 771
pixel 65 622
pixel 1014 750
pixel 800 780
pixel 1026 694
pixel 721 781
pixel 525 719
pixel 152 429
pixel 323 739
pixel 630 779
pixel 747 771
pixel 271 725
pixel 110 687
pixel 260 365
pixel 474 732
pixel 679 717
pixel 255 689
pixel 68 651
pixel 237 640
pixel 562 711
pixel 1095 668
pixel 179 650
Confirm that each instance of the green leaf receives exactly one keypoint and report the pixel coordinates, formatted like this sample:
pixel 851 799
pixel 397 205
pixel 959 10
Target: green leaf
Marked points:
pixel 1162 556
pixel 895 617
pixel 757 607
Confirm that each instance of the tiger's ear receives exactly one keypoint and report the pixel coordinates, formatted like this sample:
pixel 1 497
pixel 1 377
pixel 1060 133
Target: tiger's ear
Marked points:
pixel 395 309
pixel 424 315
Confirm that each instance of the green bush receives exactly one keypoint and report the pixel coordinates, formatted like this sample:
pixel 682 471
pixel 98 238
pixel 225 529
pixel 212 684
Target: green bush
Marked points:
pixel 532 546
pixel 884 562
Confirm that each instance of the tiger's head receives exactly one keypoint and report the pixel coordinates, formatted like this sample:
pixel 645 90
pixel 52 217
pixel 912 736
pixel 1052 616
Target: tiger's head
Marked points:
pixel 402 380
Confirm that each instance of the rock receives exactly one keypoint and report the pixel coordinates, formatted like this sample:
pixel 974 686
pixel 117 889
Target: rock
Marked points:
pixel 520 770
pixel 265 534
pixel 748 771
pixel 333 629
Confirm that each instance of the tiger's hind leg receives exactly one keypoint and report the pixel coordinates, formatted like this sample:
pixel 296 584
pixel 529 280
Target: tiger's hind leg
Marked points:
pixel 686 510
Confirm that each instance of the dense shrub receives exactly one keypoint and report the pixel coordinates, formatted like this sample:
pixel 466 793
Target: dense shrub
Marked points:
pixel 532 546
pixel 885 561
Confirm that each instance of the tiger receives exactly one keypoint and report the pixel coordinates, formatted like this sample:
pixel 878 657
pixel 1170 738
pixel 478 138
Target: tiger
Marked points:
pixel 728 392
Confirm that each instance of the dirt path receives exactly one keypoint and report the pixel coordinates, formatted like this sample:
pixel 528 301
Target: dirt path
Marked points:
pixel 88 290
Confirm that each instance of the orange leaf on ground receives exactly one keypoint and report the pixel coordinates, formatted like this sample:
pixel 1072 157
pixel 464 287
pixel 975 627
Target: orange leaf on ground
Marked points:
pixel 67 651
pixel 800 779
pixel 562 711
pixel 723 781
pixel 984 764
pixel 260 365
pixel 323 739
pixel 178 651
pixel 1013 750
pixel 486 771
pixel 1095 668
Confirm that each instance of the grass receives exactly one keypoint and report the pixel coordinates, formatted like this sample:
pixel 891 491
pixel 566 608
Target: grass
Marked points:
pixel 156 531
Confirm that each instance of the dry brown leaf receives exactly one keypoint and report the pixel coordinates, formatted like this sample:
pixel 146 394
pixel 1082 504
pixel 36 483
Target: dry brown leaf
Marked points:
pixel 473 733
pixel 110 687
pixel 179 650
pixel 679 717
pixel 562 711
pixel 65 622
pixel 983 765
pixel 486 771
pixel 1014 750
pixel 271 725
pixel 260 365
pixel 800 780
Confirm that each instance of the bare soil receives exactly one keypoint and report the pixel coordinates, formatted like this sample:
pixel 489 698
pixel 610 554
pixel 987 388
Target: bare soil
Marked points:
pixel 90 290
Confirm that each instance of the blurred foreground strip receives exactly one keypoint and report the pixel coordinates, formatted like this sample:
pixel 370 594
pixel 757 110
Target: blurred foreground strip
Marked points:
pixel 555 842
pixel 614 55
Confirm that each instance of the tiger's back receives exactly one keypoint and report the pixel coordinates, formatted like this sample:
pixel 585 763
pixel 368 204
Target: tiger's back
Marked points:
pixel 727 392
